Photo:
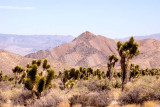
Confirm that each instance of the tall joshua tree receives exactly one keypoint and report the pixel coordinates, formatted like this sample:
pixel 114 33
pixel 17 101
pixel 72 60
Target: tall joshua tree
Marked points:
pixel 127 51
pixel 112 60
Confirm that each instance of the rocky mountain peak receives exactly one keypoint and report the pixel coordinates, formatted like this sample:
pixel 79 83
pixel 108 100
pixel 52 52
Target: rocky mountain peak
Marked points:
pixel 85 36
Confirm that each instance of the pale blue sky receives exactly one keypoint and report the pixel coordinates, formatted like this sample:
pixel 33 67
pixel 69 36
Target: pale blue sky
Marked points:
pixel 111 18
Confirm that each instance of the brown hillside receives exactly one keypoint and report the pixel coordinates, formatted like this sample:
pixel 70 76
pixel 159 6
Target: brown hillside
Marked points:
pixel 9 60
pixel 86 50
pixel 150 53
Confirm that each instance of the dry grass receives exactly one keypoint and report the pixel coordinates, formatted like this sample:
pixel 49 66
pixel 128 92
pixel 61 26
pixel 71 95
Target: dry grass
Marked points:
pixel 144 89
pixel 90 93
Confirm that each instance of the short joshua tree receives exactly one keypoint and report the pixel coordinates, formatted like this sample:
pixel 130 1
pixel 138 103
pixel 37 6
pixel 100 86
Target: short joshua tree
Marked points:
pixel 36 82
pixel 17 70
pixel 112 60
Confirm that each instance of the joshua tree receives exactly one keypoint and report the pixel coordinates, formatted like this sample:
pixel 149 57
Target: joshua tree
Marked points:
pixel 46 65
pixel 90 70
pixel 39 62
pixel 134 70
pixel 65 77
pixel 72 72
pixel 1 76
pixel 112 60
pixel 98 73
pixel 22 77
pixel 60 74
pixel 36 82
pixel 77 75
pixel 49 78
pixel 127 51
pixel 17 70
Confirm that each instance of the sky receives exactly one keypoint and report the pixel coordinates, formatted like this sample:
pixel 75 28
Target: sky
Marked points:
pixel 110 18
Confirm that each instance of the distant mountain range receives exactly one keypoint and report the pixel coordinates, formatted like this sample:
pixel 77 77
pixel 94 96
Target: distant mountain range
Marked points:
pixel 153 36
pixel 25 44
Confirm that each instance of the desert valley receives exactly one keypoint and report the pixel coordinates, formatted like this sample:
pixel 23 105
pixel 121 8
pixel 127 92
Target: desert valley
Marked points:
pixel 79 53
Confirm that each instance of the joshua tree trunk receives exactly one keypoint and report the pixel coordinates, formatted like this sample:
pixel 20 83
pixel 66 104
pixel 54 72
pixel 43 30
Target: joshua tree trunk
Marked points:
pixel 125 71
pixel 111 72
pixel 16 81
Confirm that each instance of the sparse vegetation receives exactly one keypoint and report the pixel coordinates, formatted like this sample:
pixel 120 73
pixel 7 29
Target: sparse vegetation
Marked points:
pixel 144 89
pixel 34 85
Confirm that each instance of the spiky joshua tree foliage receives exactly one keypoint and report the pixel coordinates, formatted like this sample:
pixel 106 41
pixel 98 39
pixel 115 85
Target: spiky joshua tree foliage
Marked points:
pixel 45 64
pixel 112 60
pixel 127 51
pixel 36 82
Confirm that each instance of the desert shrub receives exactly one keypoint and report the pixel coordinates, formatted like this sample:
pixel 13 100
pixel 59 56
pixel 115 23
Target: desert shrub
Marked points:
pixel 97 100
pixel 117 83
pixel 95 85
pixel 84 100
pixel 2 98
pixel 144 89
pixel 22 98
pixel 99 85
pixel 25 98
pixel 49 100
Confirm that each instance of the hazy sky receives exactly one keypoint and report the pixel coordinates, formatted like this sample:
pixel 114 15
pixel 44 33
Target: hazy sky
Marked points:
pixel 111 18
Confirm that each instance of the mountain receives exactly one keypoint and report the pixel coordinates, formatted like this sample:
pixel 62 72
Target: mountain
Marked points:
pixel 93 50
pixel 153 36
pixel 85 50
pixel 25 44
